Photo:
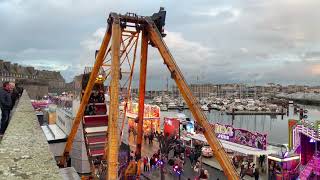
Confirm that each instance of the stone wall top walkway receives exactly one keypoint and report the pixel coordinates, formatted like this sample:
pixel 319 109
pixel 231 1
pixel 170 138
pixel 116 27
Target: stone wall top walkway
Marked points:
pixel 24 151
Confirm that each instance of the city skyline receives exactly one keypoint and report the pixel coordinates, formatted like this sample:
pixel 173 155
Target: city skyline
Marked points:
pixel 225 42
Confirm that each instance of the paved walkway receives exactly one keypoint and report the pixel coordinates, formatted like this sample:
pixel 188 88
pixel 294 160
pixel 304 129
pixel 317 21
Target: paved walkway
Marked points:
pixel 150 149
pixel 212 162
pixel 188 173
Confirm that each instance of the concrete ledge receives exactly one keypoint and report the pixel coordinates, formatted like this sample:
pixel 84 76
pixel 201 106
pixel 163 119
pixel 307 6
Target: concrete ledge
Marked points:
pixel 24 151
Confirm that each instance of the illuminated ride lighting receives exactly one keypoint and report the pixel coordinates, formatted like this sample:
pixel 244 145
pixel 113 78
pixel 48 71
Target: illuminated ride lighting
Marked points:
pixel 177 169
pixel 312 140
pixel 160 162
pixel 306 130
pixel 283 160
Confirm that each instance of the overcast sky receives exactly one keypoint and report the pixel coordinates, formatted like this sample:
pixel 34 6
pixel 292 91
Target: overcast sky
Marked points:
pixel 221 41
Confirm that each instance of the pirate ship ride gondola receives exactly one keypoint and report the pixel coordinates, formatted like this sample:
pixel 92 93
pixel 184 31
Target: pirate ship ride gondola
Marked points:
pixel 95 125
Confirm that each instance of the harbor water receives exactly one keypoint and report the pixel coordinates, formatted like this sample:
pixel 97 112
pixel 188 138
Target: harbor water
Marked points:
pixel 275 126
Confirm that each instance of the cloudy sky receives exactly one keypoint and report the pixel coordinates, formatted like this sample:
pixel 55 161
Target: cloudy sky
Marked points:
pixel 221 41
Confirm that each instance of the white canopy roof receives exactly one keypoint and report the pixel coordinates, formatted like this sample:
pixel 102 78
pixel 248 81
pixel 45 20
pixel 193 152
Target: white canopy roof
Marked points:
pixel 238 147
pixel 53 132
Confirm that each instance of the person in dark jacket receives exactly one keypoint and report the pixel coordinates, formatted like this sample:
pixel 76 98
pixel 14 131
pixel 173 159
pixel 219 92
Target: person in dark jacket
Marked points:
pixel 14 94
pixel 256 174
pixel 191 157
pixel 6 105
pixel 19 89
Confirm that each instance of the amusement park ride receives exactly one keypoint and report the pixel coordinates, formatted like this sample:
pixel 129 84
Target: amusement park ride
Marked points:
pixel 101 131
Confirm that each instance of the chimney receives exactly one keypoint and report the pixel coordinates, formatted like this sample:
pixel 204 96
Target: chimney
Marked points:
pixel 15 67
pixel 7 65
pixel 1 64
pixel 20 69
pixel 30 69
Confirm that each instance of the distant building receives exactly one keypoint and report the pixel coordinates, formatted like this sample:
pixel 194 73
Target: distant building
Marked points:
pixel 37 82
pixel 198 90
pixel 314 89
pixel 75 86
pixel 296 88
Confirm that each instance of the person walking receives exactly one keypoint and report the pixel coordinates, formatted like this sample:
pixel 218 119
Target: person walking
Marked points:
pixel 14 93
pixel 132 155
pixel 134 134
pixel 148 164
pixel 150 137
pixel 145 162
pixel 203 176
pixel 6 106
pixel 256 174
pixel 207 173
pixel 152 162
pixel 145 136
pixel 191 157
pixel 196 168
pixel 261 159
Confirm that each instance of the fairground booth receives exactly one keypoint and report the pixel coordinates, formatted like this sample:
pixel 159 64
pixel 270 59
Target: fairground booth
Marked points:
pixel 151 118
pixel 304 138
pixel 283 165
pixel 240 144
pixel 178 126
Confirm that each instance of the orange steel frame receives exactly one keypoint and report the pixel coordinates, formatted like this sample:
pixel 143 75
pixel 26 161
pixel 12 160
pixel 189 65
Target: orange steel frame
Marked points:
pixel 113 135
pixel 86 95
pixel 142 90
pixel 149 33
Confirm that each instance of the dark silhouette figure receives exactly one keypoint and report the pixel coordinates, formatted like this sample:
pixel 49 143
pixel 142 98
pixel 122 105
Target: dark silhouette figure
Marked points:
pixel 6 106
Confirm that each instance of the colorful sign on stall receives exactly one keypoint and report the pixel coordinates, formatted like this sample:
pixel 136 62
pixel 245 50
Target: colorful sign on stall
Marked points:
pixel 241 136
pixel 151 117
pixel 150 111
pixel 40 103
pixel 171 126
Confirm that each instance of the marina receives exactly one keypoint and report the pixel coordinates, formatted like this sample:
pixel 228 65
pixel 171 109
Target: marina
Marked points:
pixel 275 126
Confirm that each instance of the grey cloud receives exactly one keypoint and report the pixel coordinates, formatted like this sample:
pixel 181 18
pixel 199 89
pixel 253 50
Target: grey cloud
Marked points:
pixel 224 41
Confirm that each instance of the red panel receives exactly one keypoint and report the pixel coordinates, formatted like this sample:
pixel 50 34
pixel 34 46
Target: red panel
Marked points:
pixel 95 120
pixel 101 108
pixel 94 140
pixel 171 126
pixel 96 152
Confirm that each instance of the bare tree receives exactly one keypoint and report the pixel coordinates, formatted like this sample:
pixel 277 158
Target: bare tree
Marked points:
pixel 166 144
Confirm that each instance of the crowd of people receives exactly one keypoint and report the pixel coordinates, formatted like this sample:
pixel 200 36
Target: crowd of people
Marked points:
pixel 9 93
pixel 274 168
pixel 148 137
pixel 175 163
pixel 182 153
pixel 247 167
pixel 152 162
